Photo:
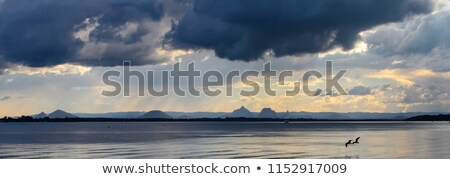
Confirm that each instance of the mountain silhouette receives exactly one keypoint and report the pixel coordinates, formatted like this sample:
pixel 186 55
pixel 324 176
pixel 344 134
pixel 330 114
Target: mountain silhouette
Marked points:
pixel 267 113
pixel 61 114
pixel 40 115
pixel 241 113
pixel 337 116
pixel 156 114
pixel 185 116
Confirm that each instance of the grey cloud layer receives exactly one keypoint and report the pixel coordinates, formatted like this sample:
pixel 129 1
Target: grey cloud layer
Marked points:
pixel 359 91
pixel 421 42
pixel 418 36
pixel 246 30
pixel 41 33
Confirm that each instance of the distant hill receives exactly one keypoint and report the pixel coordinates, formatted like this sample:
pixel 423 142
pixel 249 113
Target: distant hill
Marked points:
pixel 337 116
pixel 286 115
pixel 156 114
pixel 268 113
pixel 241 113
pixel 40 115
pixel 185 116
pixel 61 114
pixel 113 115
pixel 198 114
pixel 440 117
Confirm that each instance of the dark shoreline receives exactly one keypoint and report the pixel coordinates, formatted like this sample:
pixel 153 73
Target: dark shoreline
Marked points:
pixel 217 120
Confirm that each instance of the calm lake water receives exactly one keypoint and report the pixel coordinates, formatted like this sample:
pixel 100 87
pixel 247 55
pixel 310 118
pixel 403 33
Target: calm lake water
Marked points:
pixel 225 140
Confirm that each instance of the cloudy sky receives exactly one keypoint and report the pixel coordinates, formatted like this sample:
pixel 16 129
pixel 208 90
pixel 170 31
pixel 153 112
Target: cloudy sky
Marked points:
pixel 53 53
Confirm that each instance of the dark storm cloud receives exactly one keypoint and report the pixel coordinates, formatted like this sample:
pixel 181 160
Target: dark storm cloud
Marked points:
pixel 245 30
pixel 40 33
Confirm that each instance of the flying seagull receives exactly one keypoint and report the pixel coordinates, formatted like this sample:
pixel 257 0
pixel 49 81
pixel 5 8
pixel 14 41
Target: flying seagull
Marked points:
pixel 348 143
pixel 356 141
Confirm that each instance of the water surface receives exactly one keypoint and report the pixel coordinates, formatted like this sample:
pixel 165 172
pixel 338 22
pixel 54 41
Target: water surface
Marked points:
pixel 225 140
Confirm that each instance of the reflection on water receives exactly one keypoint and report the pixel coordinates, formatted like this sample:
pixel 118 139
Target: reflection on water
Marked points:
pixel 224 140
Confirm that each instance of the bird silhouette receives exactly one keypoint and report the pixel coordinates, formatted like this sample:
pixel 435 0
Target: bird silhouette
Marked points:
pixel 356 141
pixel 348 143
